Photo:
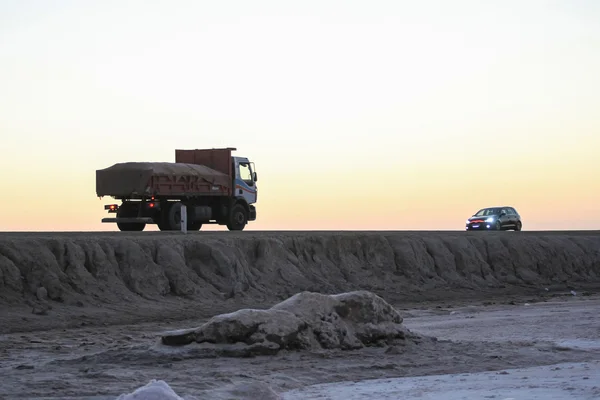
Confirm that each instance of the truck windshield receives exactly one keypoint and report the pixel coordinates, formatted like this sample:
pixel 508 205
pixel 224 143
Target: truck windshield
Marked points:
pixel 246 173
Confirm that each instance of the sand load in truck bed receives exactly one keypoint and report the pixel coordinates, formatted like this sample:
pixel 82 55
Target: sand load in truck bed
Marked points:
pixel 138 178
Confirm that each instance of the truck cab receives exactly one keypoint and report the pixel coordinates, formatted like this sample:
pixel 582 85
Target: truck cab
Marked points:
pixel 245 186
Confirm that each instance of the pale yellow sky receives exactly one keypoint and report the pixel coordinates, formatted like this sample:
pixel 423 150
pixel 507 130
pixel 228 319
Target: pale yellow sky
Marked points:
pixel 358 115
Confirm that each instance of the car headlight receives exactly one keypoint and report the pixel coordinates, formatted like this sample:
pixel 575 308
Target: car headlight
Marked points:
pixel 490 219
pixel 467 222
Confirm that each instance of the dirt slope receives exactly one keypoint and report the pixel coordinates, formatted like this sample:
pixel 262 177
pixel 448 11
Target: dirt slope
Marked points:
pixel 83 279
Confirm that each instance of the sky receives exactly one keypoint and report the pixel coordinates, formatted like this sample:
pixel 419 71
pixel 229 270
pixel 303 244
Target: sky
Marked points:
pixel 359 115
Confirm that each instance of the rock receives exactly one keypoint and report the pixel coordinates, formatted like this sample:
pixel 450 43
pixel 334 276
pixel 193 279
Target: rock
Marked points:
pixel 177 338
pixel 304 321
pixel 244 390
pixel 42 293
pixel 160 390
pixel 155 389
pixel 394 350
pixel 41 309
pixel 251 326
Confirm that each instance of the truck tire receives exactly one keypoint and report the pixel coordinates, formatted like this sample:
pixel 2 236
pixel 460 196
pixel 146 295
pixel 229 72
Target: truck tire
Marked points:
pixel 159 218
pixel 162 225
pixel 238 217
pixel 129 211
pixel 131 226
pixel 170 219
pixel 194 226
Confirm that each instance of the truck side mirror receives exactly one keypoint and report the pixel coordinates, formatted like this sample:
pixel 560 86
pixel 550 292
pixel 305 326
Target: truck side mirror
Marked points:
pixel 254 177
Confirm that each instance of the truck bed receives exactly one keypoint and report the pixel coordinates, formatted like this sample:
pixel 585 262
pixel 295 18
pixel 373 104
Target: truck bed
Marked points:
pixel 136 179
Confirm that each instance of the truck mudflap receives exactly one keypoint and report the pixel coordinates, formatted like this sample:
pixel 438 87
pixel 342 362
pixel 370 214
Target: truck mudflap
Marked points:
pixel 140 220
pixel 252 215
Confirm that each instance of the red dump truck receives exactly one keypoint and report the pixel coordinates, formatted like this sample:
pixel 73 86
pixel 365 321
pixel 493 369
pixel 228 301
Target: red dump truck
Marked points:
pixel 215 187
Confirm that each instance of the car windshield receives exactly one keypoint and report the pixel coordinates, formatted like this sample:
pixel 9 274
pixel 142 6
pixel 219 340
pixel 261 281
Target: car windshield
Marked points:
pixel 487 211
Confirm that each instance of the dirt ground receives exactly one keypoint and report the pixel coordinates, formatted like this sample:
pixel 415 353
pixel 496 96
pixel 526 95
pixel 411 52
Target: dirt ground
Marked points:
pixel 51 280
pixel 81 314
pixel 105 362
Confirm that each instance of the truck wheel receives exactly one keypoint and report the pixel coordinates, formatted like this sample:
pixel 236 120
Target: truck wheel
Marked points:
pixel 172 221
pixel 238 217
pixel 194 226
pixel 161 223
pixel 131 226
pixel 128 211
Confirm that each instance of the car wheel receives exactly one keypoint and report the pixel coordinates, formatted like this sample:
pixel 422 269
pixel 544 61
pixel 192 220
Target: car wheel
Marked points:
pixel 518 226
pixel 498 226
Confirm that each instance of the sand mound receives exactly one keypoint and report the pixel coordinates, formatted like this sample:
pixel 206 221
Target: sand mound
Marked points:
pixel 65 280
pixel 153 390
pixel 304 321
pixel 160 390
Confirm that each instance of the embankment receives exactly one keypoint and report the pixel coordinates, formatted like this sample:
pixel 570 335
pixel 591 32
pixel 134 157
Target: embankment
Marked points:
pixel 77 279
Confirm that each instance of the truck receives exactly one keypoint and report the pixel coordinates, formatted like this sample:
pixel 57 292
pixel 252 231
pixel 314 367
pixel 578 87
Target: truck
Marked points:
pixel 214 186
